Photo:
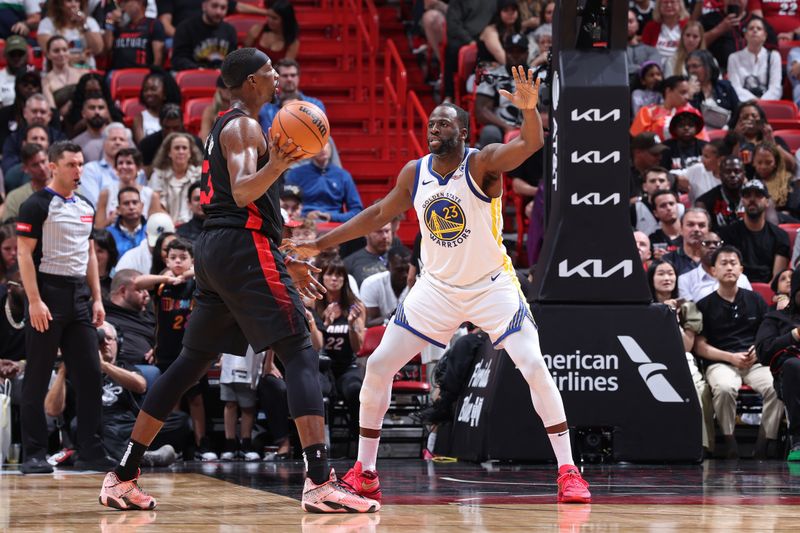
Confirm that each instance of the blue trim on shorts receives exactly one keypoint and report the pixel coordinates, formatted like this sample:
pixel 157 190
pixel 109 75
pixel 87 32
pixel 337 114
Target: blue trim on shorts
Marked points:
pixel 472 187
pixel 400 320
pixel 516 322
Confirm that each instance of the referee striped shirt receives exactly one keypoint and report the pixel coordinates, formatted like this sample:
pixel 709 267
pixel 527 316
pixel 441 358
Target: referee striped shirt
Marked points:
pixel 62 228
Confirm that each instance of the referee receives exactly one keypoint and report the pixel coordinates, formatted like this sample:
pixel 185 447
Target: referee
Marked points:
pixel 59 271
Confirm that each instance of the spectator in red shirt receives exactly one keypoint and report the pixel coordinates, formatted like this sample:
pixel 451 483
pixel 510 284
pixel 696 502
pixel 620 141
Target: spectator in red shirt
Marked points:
pixel 782 15
pixel 664 31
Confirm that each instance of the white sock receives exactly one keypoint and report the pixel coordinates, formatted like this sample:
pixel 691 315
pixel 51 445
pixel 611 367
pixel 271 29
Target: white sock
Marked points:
pixel 431 441
pixel 561 447
pixel 368 452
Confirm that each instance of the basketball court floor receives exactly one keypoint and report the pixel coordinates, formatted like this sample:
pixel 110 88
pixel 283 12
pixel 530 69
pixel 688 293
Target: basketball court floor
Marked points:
pixel 724 496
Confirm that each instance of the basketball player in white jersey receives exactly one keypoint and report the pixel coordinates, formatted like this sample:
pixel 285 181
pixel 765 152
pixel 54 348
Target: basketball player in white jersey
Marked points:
pixel 467 275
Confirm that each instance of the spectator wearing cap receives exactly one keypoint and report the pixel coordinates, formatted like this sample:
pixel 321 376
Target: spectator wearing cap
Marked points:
pixel 685 149
pixel 724 202
pixel 36 112
pixel 19 17
pixel 755 72
pixel 171 119
pixel 141 257
pixel 191 230
pixel 650 78
pixel 330 194
pixel 497 115
pixel 764 246
pixel 139 43
pixel 714 97
pixel 98 175
pixel 655 118
pixel 96 115
pixel 646 151
pixel 292 201
pixel 637 52
pixel 16 54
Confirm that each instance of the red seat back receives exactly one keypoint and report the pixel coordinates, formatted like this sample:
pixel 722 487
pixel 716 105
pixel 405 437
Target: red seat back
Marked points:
pixel 130 107
pixel 193 113
pixel 764 290
pixel 791 137
pixel 781 114
pixel 127 83
pixel 467 57
pixel 197 83
pixel 791 231
pixel 243 23
pixel 372 338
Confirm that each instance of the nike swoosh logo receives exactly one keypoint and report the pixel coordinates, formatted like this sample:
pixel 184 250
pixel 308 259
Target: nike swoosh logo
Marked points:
pixel 564 433
pixel 369 486
pixel 427 182
pixel 496 276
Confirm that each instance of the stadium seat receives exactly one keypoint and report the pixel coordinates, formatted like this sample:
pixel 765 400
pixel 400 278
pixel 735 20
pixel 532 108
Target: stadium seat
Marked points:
pixel 242 24
pixel 781 114
pixel 127 83
pixel 193 113
pixel 716 134
pixel 130 107
pixel 519 209
pixel 791 231
pixel 197 83
pixel 764 290
pixel 784 47
pixel 372 338
pixel 792 138
pixel 467 57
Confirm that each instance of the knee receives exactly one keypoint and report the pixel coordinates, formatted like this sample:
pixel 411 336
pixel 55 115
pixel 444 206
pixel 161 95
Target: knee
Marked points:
pixel 432 20
pixel 725 391
pixel 377 369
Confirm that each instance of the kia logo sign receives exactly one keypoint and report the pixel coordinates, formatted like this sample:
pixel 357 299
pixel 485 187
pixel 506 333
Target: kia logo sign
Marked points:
pixel 593 157
pixel 594 268
pixel 594 198
pixel 595 115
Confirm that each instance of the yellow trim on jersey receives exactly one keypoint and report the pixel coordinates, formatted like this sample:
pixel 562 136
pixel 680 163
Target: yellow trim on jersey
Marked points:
pixel 497 233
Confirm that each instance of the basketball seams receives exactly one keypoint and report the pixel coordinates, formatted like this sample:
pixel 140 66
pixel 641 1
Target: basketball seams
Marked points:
pixel 299 119
pixel 306 119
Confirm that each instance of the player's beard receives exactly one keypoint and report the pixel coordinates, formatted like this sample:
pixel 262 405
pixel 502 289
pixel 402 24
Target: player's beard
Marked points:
pixel 445 146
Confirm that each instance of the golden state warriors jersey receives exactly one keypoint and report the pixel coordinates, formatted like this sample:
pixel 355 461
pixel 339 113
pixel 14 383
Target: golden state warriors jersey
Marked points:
pixel 462 228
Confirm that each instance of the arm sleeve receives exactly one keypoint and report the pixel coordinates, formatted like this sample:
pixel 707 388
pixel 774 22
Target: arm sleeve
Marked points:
pixel 158 31
pixel 782 247
pixel 352 199
pixel 32 214
pixel 164 7
pixel 650 33
pixel 736 79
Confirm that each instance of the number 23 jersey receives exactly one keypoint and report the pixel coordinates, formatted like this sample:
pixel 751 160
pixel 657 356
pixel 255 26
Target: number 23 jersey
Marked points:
pixel 462 228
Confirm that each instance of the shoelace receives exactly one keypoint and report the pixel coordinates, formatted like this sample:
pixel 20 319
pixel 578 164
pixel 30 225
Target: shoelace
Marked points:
pixel 572 475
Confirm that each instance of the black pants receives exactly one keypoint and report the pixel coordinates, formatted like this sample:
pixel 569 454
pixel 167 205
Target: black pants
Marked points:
pixel 273 401
pixel 117 433
pixel 348 388
pixel 788 387
pixel 71 329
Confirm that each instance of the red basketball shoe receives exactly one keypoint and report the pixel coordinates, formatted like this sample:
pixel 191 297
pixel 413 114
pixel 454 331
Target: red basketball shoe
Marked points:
pixel 125 495
pixel 333 497
pixel 572 488
pixel 365 483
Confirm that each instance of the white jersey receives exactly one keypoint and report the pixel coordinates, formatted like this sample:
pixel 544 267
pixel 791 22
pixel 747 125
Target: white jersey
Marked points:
pixel 462 228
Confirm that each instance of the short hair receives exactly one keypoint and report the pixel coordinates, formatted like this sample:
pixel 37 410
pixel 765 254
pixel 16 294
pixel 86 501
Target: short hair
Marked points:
pixel 697 210
pixel 544 29
pixel 399 251
pixel 664 192
pixel 116 126
pixel 725 249
pixel 286 62
pixel 123 278
pixel 170 110
pixel 179 243
pixel 94 95
pixel 129 152
pixel 57 150
pixel 672 82
pixel 194 186
pixel 657 169
pixel 461 115
pixel 36 127
pixel 29 151
pixel 37 96
pixel 128 189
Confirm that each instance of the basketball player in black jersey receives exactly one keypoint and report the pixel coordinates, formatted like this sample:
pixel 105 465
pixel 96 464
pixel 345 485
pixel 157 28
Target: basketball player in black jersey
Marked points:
pixel 247 292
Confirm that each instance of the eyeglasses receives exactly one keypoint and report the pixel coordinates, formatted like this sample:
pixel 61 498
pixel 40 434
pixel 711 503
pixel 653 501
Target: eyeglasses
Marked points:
pixel 712 244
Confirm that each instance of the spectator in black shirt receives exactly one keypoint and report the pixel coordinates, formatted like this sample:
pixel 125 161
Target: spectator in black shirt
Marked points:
pixel 694 226
pixel 36 112
pixel 204 40
pixel 778 346
pixel 140 43
pixel 646 151
pixel 684 148
pixel 191 230
pixel 724 202
pixel 668 237
pixel 136 327
pixel 170 12
pixel 725 30
pixel 12 320
pixel 372 258
pixel 731 317
pixel 764 246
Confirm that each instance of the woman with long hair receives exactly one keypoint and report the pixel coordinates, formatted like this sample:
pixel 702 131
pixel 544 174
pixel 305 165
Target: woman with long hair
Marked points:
pixel 783 189
pixel 158 88
pixel 8 249
pixel 107 256
pixel 692 38
pixel 505 22
pixel 61 73
pixel 715 98
pixel 279 36
pixel 664 31
pixel 781 286
pixel 340 318
pixel 176 166
pixel 655 118
pixel 159 264
pixel 648 93
pixel 70 19
pixel 89 83
pixel 749 122
pixel 754 71
pixel 127 164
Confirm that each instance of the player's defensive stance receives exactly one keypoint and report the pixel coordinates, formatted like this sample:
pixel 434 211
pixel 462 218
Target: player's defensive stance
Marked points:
pixel 247 292
pixel 466 275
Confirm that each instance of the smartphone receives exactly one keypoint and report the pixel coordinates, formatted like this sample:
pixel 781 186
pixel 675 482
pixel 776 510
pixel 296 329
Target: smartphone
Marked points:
pixel 733 9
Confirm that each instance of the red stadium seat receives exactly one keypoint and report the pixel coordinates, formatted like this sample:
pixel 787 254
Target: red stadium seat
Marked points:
pixel 764 290
pixel 519 208
pixel 372 338
pixel 193 113
pixel 467 57
pixel 197 83
pixel 791 231
pixel 784 47
pixel 781 114
pixel 243 23
pixel 716 134
pixel 130 107
pixel 792 138
pixel 127 83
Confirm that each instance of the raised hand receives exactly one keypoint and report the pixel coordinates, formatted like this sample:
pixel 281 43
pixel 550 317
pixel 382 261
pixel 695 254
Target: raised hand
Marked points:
pixel 526 93
pixel 302 273
pixel 300 249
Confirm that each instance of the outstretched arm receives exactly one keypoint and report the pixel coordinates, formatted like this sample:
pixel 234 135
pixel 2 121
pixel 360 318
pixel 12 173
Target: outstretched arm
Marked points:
pixel 497 158
pixel 248 183
pixel 397 201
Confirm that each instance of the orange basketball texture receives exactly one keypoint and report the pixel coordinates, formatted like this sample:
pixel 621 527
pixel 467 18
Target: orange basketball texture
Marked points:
pixel 305 124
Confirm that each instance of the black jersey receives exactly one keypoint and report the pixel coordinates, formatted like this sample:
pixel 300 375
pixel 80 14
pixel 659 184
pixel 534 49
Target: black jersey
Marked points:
pixel 336 344
pixel 173 304
pixel 263 215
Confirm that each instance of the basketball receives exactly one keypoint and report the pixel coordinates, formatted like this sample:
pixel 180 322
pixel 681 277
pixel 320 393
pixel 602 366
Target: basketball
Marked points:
pixel 305 124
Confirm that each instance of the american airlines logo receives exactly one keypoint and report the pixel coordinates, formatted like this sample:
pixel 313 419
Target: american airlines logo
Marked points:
pixel 594 198
pixel 594 157
pixel 652 373
pixel 594 268
pixel 595 115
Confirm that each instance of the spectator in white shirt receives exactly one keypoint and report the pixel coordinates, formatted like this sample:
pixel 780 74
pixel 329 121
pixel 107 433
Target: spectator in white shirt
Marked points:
pixel 382 292
pixel 755 72
pixel 700 282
